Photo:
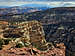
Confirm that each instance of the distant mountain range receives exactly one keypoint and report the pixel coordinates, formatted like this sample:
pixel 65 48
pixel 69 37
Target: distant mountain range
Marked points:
pixel 45 15
pixel 20 9
pixel 28 8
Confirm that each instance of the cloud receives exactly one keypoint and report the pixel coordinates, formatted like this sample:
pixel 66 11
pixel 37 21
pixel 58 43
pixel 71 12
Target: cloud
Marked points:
pixel 52 4
pixel 69 4
pixel 32 0
pixel 22 3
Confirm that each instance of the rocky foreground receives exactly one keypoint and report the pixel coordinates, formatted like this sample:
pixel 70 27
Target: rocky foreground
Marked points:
pixel 32 52
pixel 26 39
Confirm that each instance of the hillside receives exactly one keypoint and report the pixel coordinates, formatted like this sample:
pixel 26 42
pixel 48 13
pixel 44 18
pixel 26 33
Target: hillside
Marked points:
pixel 58 24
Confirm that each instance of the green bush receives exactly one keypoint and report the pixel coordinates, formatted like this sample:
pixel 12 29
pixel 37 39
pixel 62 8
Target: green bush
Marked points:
pixel 1 43
pixel 19 45
pixel 6 41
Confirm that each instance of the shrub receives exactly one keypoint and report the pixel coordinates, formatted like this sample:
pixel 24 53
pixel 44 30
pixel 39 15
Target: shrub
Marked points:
pixel 1 43
pixel 19 45
pixel 6 41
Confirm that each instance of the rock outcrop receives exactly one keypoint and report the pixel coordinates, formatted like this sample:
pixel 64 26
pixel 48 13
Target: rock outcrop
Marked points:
pixel 31 35
pixel 30 32
pixel 33 52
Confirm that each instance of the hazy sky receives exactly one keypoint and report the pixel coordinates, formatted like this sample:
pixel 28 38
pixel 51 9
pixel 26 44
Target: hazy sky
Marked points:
pixel 36 0
pixel 55 3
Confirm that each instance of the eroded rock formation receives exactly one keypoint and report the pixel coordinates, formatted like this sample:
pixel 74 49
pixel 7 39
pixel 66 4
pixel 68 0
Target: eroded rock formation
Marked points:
pixel 30 34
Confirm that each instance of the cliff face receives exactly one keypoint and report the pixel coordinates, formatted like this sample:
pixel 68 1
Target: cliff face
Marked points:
pixel 29 31
pixel 31 35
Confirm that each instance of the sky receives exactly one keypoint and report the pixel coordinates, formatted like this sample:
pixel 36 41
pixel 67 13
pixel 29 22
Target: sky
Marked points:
pixel 54 3
pixel 35 0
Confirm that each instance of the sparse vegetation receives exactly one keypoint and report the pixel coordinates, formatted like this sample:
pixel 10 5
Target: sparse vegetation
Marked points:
pixel 19 45
pixel 1 43
pixel 6 41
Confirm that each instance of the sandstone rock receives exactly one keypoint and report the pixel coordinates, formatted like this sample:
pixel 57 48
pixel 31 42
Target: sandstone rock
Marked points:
pixel 29 33
pixel 32 52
